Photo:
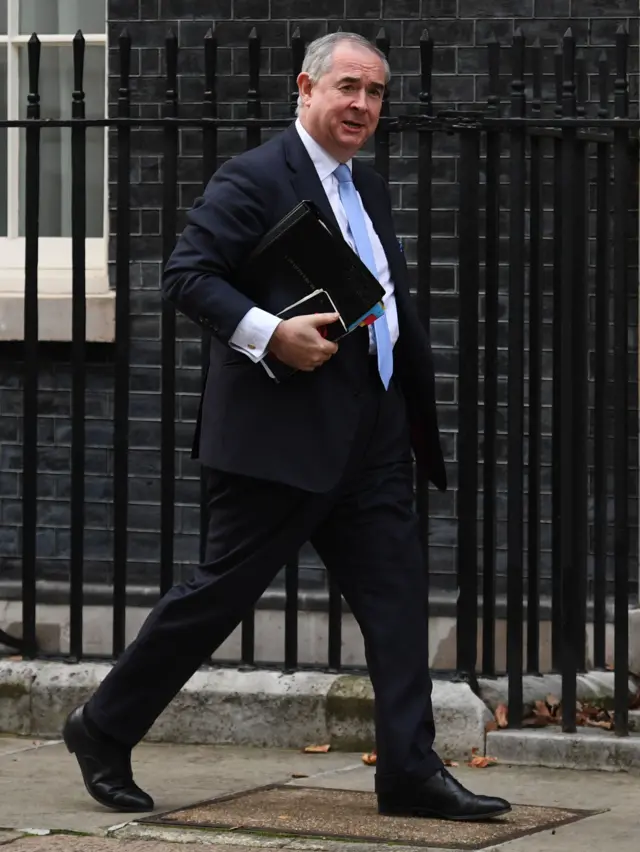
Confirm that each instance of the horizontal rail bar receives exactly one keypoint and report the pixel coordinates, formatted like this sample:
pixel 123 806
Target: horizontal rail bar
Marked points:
pixel 55 39
pixel 416 122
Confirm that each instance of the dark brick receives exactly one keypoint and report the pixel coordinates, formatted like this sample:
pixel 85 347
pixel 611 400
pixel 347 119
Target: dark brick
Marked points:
pixel 150 221
pixel 123 10
pixel 442 32
pixel 9 484
pixel 144 518
pixel 309 29
pixel 365 9
pixel 99 544
pixel 143 33
pixel 145 463
pixel 446 88
pixel 114 62
pixel 144 405
pixel 202 9
pixel 495 8
pixel 9 541
pixel 551 30
pixel 603 30
pixel 98 488
pixel 438 9
pixel 253 10
pixel 188 406
pixel 147 379
pixel 601 8
pixel 142 435
pixel 308 8
pixel 370 29
pixel 151 62
pixel 144 489
pixel 552 8
pixel 145 546
pixel 149 9
pixel 445 389
pixel 189 520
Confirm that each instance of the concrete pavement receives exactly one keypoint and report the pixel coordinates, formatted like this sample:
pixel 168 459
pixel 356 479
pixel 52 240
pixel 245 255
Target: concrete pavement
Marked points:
pixel 40 789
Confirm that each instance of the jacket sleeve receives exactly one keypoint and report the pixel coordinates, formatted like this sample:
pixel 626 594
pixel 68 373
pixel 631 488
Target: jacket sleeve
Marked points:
pixel 222 228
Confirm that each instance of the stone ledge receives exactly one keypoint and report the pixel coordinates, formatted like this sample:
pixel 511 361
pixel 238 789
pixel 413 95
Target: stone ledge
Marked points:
pixel 261 708
pixel 54 316
pixel 588 749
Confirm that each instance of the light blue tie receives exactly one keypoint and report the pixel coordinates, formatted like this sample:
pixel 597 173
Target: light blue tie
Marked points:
pixel 358 228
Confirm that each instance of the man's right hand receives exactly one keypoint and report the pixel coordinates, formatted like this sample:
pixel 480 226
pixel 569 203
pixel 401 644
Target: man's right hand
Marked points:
pixel 298 342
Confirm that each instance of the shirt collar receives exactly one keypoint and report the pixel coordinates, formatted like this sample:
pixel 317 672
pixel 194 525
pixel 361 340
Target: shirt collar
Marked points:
pixel 324 163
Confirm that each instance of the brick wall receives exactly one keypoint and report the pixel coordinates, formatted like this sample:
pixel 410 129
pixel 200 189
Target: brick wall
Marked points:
pixel 459 28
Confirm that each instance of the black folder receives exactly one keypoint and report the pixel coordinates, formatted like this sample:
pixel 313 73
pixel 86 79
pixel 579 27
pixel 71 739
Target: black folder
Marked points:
pixel 304 252
pixel 318 302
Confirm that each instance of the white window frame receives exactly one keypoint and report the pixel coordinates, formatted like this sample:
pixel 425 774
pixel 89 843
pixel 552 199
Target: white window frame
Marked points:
pixel 55 253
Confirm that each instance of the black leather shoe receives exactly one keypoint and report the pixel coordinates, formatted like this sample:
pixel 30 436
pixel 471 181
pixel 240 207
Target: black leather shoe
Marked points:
pixel 105 767
pixel 439 797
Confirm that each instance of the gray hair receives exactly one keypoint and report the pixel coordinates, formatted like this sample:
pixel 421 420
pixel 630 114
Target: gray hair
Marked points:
pixel 318 58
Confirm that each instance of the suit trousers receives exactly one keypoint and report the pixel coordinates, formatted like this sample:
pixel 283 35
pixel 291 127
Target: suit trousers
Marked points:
pixel 366 533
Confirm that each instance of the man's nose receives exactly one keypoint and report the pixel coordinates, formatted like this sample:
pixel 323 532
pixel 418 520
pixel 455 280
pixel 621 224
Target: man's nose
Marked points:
pixel 359 100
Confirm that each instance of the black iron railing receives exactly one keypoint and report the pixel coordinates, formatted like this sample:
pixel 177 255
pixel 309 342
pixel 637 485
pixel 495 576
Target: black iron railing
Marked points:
pixel 560 227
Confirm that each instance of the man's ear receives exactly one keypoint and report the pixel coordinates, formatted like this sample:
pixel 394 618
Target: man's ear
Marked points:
pixel 304 85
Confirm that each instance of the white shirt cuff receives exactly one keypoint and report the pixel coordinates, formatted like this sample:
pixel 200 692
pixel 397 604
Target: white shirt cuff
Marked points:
pixel 253 333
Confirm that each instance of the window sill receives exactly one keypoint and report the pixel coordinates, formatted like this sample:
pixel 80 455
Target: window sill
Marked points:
pixel 54 309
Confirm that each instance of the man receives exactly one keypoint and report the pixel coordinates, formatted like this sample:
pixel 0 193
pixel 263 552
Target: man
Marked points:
pixel 323 456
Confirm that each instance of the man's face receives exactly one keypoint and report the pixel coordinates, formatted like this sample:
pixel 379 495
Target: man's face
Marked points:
pixel 342 109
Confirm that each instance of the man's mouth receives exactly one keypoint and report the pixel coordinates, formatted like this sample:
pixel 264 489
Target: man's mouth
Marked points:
pixel 353 125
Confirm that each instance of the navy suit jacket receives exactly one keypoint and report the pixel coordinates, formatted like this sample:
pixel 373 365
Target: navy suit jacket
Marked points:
pixel 298 432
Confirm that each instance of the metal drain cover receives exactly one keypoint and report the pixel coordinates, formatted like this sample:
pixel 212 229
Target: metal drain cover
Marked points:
pixel 352 815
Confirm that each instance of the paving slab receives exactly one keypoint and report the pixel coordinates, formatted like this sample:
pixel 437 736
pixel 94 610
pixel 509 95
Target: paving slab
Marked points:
pixel 10 745
pixel 41 787
pixel 284 810
pixel 66 843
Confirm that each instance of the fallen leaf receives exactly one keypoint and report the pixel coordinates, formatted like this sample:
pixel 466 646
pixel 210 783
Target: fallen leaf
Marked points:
pixel 541 710
pixel 502 715
pixel 316 749
pixel 479 762
pixel 607 724
pixel 369 759
pixel 553 703
pixel 537 721
pixel 451 763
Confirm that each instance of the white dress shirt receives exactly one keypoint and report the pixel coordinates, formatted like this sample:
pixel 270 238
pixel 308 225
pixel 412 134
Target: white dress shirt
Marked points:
pixel 254 331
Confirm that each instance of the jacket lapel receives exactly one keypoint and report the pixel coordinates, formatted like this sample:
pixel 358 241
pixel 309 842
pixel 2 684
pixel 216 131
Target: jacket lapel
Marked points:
pixel 304 176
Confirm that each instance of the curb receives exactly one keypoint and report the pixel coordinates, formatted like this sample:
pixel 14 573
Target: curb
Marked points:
pixel 588 749
pixel 210 837
pixel 227 706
